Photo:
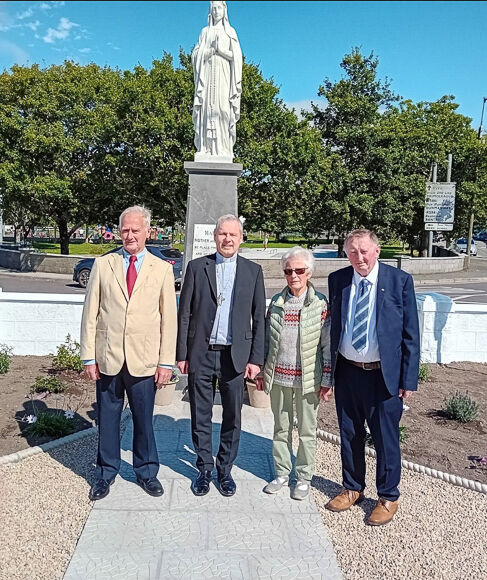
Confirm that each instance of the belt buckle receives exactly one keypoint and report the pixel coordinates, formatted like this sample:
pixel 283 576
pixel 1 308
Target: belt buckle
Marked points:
pixel 364 367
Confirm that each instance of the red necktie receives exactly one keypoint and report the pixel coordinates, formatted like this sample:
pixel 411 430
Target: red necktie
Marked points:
pixel 131 275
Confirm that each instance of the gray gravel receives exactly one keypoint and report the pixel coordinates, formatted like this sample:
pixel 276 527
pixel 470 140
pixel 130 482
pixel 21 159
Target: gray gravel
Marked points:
pixel 43 508
pixel 439 531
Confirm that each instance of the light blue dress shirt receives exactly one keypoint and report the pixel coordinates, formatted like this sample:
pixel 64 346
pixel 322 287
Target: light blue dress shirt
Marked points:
pixel 138 265
pixel 226 269
pixel 371 351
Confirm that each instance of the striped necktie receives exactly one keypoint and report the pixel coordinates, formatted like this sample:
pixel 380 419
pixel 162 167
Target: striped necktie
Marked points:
pixel 359 334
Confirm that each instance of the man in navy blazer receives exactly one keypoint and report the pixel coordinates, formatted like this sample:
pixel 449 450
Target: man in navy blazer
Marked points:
pixel 221 322
pixel 375 349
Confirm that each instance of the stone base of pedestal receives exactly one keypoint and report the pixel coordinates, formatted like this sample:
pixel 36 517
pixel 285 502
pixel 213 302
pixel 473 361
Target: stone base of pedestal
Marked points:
pixel 212 192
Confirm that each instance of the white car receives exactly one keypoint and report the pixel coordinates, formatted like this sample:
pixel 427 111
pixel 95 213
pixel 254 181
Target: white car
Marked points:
pixel 461 246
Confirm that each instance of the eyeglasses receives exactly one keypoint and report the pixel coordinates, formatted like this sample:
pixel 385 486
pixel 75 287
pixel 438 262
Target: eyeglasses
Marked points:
pixel 299 271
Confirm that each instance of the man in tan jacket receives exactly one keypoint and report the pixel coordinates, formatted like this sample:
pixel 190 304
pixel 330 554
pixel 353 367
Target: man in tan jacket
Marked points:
pixel 128 340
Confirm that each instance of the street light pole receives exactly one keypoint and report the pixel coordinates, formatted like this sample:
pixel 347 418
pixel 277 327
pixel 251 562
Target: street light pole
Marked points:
pixel 470 226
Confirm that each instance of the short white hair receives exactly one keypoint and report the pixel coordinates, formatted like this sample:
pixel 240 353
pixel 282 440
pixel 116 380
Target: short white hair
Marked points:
pixel 143 211
pixel 299 252
pixel 229 217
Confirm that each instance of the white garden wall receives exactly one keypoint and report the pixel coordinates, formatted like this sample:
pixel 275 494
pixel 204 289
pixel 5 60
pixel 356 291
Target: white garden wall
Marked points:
pixel 450 331
pixel 36 324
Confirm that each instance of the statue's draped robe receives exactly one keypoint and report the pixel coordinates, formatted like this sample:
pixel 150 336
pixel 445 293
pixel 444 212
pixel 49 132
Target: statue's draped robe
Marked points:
pixel 218 88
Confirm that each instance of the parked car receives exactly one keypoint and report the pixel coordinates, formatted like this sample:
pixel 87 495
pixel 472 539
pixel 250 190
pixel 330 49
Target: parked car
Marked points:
pixel 481 237
pixel 461 246
pixel 82 269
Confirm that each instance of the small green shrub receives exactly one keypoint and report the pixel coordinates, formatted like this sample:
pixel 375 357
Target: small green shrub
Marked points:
pixel 50 424
pixel 402 434
pixel 51 384
pixel 424 373
pixel 5 358
pixel 461 408
pixel 67 356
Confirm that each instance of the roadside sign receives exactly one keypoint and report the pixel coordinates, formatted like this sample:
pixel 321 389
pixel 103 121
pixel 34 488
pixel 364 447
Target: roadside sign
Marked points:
pixel 439 207
pixel 438 227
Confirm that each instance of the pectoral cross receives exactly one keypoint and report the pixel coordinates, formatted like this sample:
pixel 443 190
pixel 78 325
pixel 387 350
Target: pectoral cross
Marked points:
pixel 220 299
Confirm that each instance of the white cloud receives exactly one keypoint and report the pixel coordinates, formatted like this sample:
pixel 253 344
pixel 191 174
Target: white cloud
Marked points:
pixel 113 46
pixel 33 25
pixel 84 50
pixel 14 51
pixel 26 14
pixel 49 5
pixel 61 32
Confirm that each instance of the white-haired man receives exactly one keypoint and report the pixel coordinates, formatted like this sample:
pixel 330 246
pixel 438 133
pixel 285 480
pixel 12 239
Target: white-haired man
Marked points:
pixel 220 338
pixel 128 339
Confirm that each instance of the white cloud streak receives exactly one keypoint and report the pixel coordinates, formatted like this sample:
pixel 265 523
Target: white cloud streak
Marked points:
pixel 62 31
pixel 26 14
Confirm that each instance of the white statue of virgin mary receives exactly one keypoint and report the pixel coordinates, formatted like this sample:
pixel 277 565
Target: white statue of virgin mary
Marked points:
pixel 217 66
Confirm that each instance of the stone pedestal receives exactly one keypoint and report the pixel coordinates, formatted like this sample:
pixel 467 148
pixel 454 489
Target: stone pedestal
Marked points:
pixel 212 192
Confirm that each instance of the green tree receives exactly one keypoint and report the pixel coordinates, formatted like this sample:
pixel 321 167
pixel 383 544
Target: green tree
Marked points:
pixel 348 125
pixel 281 156
pixel 56 127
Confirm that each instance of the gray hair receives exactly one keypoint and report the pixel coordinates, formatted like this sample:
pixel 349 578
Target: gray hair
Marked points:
pixel 299 252
pixel 229 217
pixel 144 212
pixel 361 233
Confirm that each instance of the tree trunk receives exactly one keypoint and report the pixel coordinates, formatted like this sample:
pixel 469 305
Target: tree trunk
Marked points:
pixel 340 253
pixel 64 237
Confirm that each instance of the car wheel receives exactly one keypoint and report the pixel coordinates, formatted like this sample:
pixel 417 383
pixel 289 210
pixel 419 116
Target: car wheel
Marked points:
pixel 83 278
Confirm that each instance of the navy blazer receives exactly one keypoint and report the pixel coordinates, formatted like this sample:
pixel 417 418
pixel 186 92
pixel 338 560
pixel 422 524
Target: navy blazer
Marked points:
pixel 197 310
pixel 397 324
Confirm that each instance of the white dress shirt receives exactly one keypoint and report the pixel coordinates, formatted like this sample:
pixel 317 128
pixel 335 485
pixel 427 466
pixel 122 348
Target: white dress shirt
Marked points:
pixel 371 351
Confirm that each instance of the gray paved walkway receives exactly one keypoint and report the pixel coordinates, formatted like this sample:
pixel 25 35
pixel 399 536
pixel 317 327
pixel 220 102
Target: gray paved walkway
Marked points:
pixel 249 536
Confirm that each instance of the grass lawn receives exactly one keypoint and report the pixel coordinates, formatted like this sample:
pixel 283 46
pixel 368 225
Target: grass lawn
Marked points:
pixel 98 249
pixel 83 249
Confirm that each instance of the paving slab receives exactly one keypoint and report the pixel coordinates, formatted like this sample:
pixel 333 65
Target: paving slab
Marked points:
pixel 251 535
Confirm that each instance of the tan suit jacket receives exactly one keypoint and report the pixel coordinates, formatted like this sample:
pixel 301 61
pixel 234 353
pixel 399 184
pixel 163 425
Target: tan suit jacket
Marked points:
pixel 141 331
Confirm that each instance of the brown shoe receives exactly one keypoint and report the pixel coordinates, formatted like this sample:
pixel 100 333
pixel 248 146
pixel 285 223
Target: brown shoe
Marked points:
pixel 383 512
pixel 345 500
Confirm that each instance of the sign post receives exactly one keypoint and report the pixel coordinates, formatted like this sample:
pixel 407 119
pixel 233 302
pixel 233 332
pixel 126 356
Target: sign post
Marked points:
pixel 439 207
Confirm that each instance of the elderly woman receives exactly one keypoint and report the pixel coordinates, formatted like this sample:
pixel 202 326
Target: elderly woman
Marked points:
pixel 297 369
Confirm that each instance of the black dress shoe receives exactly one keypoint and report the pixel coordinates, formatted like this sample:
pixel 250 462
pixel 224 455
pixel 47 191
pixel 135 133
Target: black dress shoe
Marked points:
pixel 152 486
pixel 226 485
pixel 100 489
pixel 201 485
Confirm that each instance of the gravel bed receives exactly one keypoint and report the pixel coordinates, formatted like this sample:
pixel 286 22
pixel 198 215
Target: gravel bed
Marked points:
pixel 437 533
pixel 43 508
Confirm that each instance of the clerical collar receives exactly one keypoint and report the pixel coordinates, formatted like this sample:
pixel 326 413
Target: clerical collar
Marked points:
pixel 221 259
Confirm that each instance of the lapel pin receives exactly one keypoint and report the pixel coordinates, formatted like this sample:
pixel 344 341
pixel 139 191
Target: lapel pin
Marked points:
pixel 382 289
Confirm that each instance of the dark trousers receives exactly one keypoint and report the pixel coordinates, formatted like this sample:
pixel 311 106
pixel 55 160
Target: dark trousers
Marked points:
pixel 216 366
pixel 110 397
pixel 361 396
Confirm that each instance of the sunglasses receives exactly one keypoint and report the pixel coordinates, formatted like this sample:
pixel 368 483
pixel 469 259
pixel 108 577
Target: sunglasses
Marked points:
pixel 299 271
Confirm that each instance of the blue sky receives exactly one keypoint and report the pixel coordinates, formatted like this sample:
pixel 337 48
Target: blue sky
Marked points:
pixel 427 49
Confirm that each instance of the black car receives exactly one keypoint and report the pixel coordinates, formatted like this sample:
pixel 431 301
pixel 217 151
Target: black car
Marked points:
pixel 481 237
pixel 82 269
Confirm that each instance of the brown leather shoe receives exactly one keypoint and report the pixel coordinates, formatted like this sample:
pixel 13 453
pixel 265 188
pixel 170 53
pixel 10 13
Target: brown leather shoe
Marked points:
pixel 345 500
pixel 383 512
